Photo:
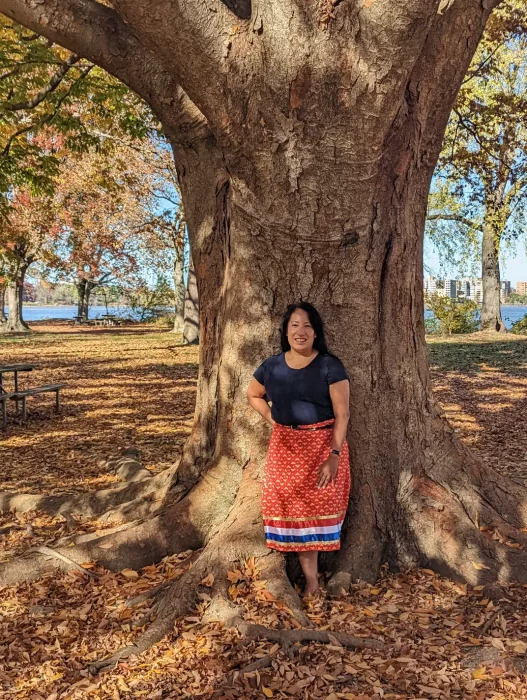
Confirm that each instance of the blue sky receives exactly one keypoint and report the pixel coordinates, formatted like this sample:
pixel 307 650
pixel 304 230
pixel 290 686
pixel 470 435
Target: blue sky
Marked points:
pixel 514 266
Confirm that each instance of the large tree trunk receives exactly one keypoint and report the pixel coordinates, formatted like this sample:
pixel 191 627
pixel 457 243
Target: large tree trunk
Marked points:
pixel 418 493
pixel 310 182
pixel 84 290
pixel 82 311
pixel 179 282
pixel 491 282
pixel 191 314
pixel 14 294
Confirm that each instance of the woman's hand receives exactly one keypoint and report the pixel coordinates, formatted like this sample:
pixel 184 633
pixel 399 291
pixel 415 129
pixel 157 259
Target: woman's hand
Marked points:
pixel 327 473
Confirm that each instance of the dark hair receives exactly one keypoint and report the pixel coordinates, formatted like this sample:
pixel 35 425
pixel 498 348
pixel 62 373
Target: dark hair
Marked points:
pixel 316 322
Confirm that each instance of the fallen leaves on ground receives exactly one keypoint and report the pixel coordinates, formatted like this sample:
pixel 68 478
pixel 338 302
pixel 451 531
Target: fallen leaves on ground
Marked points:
pixel 480 381
pixel 52 629
pixel 127 386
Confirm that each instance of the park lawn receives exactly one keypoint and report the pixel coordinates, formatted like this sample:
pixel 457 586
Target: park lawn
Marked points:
pixel 124 387
pixel 136 386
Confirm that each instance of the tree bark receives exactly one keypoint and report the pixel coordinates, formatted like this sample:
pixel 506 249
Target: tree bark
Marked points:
pixel 84 289
pixel 179 282
pixel 491 282
pixel 81 290
pixel 14 294
pixel 191 309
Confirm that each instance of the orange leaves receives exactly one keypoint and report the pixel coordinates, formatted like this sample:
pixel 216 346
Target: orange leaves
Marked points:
pixel 208 581
pixel 53 627
pixel 235 576
pixel 101 370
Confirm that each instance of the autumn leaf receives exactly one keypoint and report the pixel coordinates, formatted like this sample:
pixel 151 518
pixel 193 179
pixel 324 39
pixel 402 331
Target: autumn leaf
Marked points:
pixel 480 673
pixel 208 580
pixel 479 566
pixel 129 573
pixel 235 576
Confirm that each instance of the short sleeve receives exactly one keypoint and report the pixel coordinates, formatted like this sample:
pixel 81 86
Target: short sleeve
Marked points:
pixel 336 371
pixel 260 374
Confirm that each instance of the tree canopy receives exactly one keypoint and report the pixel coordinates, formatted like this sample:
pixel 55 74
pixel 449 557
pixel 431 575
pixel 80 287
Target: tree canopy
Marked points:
pixel 53 102
pixel 481 178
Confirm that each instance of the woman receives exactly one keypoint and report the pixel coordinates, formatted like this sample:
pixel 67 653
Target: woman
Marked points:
pixel 307 475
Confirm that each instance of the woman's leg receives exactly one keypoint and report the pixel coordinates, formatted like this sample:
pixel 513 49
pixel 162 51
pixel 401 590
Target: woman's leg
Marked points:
pixel 309 563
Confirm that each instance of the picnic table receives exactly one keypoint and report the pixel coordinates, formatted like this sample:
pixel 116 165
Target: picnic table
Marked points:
pixel 110 320
pixel 21 395
pixel 13 369
pixel 5 395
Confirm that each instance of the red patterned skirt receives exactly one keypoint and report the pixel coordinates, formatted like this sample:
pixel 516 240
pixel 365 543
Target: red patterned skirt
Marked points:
pixel 297 515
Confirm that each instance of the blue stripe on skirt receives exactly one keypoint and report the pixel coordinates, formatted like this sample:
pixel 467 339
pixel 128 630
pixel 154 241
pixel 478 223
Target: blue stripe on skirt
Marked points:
pixel 327 537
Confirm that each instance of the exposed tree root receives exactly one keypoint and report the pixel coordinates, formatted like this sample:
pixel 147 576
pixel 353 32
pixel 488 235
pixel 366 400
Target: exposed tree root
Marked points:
pixel 467 524
pixel 488 624
pixel 236 539
pixel 288 638
pixel 182 526
pixel 264 662
pixel 141 494
pixel 47 551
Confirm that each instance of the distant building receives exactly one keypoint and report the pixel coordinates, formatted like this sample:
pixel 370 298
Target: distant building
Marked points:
pixel 477 293
pixel 451 289
pixel 521 288
pixel 505 290
pixel 430 285
pixel 464 288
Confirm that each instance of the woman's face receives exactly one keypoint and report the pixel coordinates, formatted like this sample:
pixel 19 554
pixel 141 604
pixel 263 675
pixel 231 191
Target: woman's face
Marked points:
pixel 300 333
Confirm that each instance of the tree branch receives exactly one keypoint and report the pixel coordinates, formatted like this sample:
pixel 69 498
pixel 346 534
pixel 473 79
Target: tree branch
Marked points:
pixel 191 45
pixel 98 33
pixel 454 217
pixel 198 43
pixel 45 120
pixel 47 90
pixel 437 77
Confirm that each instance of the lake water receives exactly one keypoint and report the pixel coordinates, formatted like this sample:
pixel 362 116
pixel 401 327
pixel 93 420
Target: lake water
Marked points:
pixel 509 314
pixel 41 313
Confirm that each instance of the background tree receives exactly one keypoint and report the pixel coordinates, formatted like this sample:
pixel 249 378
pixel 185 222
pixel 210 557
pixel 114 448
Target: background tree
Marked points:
pixel 30 235
pixel 163 237
pixel 191 313
pixel 45 89
pixel 305 137
pixel 480 194
pixel 110 218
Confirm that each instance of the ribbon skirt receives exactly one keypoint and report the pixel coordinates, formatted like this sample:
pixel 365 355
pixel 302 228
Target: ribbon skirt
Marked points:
pixel 297 515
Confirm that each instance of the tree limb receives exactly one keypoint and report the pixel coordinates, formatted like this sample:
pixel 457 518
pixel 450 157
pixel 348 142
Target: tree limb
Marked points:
pixel 100 34
pixel 47 90
pixel 45 120
pixel 436 77
pixel 454 217
pixel 198 44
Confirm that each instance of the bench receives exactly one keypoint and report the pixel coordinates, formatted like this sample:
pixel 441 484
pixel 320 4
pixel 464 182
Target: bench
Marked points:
pixel 22 395
pixel 3 401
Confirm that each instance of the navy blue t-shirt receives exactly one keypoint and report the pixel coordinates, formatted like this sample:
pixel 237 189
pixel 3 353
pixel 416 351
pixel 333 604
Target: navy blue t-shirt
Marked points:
pixel 300 396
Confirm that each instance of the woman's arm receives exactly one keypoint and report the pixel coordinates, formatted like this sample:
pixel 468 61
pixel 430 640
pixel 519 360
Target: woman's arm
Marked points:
pixel 339 393
pixel 255 397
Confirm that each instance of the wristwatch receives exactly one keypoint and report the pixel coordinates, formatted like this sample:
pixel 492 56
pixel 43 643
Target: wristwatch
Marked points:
pixel 335 452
